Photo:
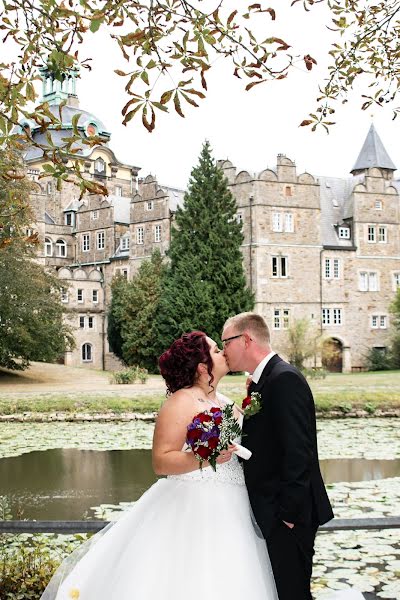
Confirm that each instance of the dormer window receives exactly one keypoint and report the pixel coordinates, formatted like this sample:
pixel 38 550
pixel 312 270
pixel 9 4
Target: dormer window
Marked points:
pixel 344 233
pixel 100 166
pixel 70 218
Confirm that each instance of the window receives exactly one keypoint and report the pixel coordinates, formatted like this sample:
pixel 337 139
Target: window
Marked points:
pixel 48 247
pixel 281 318
pixel 331 316
pixel 276 222
pixel 239 217
pixel 64 295
pixel 61 248
pixel 382 235
pixel 80 295
pixel 289 223
pixel 49 188
pixel 332 268
pixel 90 322
pixel 87 354
pixel 85 242
pixel 396 280
pixel 149 205
pixel 94 214
pixel 118 190
pixel 82 322
pixel 368 281
pixel 288 190
pixel 100 166
pixel 124 273
pixel 125 243
pixel 157 233
pixel 279 266
pixel 344 233
pixel 378 204
pixel 139 235
pixel 95 296
pixel 69 218
pixel 101 237
pixel 371 233
pixel 378 322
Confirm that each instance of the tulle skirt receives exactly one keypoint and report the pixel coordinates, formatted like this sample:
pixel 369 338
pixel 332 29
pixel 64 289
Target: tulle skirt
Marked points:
pixel 182 540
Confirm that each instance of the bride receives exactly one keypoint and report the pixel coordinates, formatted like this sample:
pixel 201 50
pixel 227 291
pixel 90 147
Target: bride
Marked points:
pixel 192 534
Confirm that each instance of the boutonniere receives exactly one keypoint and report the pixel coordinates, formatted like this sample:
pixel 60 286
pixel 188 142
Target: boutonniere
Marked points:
pixel 251 405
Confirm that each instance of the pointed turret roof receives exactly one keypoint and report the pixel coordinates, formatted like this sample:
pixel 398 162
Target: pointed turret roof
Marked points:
pixel 373 154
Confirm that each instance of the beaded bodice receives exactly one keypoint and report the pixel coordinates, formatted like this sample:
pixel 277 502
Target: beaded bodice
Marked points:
pixel 229 472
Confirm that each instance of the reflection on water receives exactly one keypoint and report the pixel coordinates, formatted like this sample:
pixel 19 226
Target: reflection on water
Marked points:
pixel 358 469
pixel 64 484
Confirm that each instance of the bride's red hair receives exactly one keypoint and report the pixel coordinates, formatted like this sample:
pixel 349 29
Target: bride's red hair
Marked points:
pixel 178 364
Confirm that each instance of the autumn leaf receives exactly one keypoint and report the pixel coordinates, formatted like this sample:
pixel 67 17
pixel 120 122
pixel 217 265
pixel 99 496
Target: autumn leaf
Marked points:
pixel 305 123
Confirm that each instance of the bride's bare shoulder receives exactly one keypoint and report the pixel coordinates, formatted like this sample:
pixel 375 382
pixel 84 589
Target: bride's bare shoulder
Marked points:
pixel 181 400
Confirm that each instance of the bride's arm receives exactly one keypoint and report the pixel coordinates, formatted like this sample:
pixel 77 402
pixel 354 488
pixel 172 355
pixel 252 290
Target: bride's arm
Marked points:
pixel 170 436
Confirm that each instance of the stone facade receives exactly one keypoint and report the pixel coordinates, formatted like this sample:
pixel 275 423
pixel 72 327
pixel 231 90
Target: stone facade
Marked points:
pixel 324 249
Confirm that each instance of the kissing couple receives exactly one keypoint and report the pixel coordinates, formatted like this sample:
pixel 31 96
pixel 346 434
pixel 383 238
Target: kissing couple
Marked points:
pixel 244 530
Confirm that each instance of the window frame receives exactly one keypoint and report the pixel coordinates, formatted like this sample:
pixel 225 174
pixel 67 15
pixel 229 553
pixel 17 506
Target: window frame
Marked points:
pixel 101 239
pixel 157 234
pixel 85 242
pixel 140 235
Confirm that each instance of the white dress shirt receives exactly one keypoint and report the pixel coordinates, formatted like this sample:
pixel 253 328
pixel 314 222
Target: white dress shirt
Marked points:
pixel 261 366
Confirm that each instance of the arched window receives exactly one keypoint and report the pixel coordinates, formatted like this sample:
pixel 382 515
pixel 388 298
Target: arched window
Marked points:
pixel 61 248
pixel 100 166
pixel 87 355
pixel 48 247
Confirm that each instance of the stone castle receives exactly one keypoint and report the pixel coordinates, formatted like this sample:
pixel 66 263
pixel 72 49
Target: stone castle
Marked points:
pixel 322 248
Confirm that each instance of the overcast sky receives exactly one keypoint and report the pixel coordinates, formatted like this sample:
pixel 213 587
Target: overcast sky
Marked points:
pixel 249 128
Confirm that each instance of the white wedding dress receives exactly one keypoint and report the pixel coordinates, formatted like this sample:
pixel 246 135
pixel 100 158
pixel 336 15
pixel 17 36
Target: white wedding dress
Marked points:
pixel 189 536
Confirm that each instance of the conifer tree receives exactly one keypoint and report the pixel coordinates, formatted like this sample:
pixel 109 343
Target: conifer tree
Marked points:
pixel 131 318
pixel 205 281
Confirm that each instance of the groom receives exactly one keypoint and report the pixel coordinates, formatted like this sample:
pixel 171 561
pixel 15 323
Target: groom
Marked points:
pixel 285 486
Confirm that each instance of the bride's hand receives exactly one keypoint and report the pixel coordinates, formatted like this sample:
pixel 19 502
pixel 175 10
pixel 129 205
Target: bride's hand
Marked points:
pixel 226 455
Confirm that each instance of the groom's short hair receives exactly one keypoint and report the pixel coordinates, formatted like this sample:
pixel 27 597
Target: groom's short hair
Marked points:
pixel 252 322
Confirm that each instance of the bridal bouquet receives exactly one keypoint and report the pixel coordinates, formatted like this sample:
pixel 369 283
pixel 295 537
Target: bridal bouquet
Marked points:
pixel 212 431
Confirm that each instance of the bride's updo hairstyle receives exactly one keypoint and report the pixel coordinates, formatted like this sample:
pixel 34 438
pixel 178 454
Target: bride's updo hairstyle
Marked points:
pixel 178 364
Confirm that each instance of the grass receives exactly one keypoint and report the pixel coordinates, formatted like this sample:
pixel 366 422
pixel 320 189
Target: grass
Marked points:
pixel 339 391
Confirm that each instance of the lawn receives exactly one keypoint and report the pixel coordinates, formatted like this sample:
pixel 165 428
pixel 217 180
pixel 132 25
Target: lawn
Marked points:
pixel 338 391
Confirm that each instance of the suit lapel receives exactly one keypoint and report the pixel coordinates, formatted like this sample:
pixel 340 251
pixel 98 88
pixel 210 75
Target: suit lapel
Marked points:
pixel 265 374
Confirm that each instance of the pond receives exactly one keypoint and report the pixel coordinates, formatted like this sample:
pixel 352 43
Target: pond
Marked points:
pixel 64 484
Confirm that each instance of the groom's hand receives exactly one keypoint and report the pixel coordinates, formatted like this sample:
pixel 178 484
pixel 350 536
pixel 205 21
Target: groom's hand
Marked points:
pixel 290 525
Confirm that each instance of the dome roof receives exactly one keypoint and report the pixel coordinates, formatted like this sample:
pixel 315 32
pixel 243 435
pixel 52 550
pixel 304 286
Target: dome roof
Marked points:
pixel 88 125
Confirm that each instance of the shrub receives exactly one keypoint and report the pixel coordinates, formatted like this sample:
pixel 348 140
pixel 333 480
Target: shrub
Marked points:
pixel 27 561
pixel 319 373
pixel 125 376
pixel 130 375
pixel 377 360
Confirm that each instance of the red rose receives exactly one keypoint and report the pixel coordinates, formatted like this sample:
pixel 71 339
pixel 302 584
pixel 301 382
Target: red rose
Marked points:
pixel 194 434
pixel 214 409
pixel 204 452
pixel 213 443
pixel 246 402
pixel 203 418
pixel 218 420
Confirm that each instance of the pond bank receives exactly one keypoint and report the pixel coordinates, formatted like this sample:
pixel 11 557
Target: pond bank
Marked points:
pixel 49 417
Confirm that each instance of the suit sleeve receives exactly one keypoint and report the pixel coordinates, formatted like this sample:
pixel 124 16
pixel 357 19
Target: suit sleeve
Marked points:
pixel 291 409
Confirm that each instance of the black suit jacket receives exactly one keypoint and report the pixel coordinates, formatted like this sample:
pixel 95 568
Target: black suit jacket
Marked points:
pixel 283 477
